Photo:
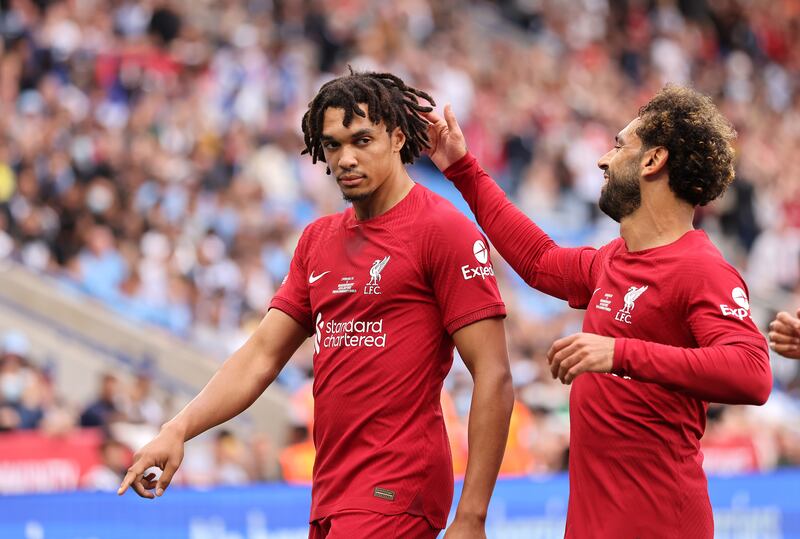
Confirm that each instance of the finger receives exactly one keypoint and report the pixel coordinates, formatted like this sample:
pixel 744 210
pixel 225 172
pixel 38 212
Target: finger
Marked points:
pixel 166 477
pixel 432 117
pixel 560 357
pixel 779 326
pixel 789 320
pixel 136 471
pixel 129 478
pixel 569 363
pixel 573 373
pixel 452 123
pixel 560 344
pixel 141 491
pixel 783 338
pixel 785 349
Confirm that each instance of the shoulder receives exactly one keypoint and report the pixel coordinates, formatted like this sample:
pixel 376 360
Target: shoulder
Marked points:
pixel 704 262
pixel 438 218
pixel 322 229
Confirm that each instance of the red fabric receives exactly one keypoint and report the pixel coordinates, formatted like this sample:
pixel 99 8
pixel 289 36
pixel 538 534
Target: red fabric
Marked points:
pixel 383 350
pixel 366 524
pixel 635 461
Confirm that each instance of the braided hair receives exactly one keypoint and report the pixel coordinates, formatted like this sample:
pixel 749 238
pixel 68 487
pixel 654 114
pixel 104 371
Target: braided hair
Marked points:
pixel 388 99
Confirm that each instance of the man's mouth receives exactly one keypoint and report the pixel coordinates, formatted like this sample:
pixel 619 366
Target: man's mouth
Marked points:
pixel 350 180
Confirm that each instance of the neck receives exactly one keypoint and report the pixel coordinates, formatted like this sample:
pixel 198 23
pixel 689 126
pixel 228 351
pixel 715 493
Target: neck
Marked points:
pixel 385 197
pixel 660 220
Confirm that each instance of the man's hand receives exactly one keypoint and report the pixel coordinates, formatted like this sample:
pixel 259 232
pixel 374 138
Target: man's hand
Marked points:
pixel 165 451
pixel 466 528
pixel 447 144
pixel 784 335
pixel 579 353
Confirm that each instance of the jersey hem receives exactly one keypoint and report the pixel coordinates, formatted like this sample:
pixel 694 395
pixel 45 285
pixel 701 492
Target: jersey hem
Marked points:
pixel 374 505
pixel 293 311
pixel 491 311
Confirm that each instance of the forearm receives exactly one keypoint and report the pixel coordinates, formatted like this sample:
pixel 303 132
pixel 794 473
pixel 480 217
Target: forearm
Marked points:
pixel 234 387
pixel 518 239
pixel 490 413
pixel 731 373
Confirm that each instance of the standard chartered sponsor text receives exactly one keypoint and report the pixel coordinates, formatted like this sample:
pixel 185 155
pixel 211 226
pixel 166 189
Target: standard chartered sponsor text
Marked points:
pixel 354 333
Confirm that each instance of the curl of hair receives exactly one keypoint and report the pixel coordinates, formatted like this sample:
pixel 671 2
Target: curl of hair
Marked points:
pixel 699 140
pixel 388 99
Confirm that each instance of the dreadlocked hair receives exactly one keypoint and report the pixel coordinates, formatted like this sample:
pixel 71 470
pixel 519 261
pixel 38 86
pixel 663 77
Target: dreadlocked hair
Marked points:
pixel 388 99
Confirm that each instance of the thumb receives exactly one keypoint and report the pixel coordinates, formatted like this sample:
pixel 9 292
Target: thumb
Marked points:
pixel 452 123
pixel 166 478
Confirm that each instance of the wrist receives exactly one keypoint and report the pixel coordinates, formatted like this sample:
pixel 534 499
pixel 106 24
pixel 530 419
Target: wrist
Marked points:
pixel 471 515
pixel 175 427
pixel 459 166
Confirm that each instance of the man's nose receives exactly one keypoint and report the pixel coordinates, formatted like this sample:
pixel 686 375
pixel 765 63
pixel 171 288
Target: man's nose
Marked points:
pixel 603 161
pixel 348 158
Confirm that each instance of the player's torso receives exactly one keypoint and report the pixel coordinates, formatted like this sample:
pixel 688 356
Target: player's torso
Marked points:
pixel 365 283
pixel 634 445
pixel 378 333
pixel 636 299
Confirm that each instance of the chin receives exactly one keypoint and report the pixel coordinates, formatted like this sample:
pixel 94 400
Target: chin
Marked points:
pixel 356 196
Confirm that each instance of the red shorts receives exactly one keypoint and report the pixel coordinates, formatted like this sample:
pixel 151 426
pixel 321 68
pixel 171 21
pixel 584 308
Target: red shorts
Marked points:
pixel 366 524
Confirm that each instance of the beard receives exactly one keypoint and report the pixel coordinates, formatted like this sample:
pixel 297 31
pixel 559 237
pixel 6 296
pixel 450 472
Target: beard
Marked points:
pixel 621 195
pixel 359 197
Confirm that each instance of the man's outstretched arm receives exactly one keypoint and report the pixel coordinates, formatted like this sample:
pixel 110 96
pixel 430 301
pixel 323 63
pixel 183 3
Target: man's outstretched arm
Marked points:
pixel 482 346
pixel 560 272
pixel 234 387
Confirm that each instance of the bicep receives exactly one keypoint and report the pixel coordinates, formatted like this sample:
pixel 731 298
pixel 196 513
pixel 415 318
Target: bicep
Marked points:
pixel 277 338
pixel 482 345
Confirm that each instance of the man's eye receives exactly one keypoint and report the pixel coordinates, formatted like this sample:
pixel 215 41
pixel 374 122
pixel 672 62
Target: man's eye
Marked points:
pixel 330 145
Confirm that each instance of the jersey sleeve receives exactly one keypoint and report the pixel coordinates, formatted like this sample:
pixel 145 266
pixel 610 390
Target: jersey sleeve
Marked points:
pixel 565 273
pixel 292 296
pixel 719 308
pixel 458 265
pixel 730 364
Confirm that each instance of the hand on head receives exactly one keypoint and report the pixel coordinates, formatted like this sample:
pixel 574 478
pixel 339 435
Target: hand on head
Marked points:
pixel 447 144
pixel 784 335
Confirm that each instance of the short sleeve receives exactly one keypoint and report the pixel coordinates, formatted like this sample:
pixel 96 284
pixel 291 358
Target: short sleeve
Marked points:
pixel 459 266
pixel 292 296
pixel 719 307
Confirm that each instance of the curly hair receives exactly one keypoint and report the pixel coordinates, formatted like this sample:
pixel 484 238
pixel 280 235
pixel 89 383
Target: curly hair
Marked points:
pixel 388 99
pixel 699 140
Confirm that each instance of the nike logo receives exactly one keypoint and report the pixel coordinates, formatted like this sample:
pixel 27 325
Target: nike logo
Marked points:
pixel 314 278
pixel 595 291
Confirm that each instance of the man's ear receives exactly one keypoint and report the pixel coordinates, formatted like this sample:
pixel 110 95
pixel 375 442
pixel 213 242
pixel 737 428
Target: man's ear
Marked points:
pixel 654 161
pixel 398 139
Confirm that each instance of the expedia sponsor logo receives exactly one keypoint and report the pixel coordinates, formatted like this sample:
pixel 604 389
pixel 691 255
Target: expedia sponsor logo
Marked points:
pixel 350 334
pixel 479 271
pixel 481 253
pixel 740 298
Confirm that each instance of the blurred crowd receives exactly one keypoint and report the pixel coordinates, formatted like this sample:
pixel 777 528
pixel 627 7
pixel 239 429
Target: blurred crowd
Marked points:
pixel 150 158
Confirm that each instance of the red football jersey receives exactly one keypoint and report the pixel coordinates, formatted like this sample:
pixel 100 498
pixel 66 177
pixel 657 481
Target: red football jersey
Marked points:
pixel 382 298
pixel 684 337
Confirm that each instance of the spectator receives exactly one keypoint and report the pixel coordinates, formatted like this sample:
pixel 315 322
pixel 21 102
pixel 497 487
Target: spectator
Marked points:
pixel 105 409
